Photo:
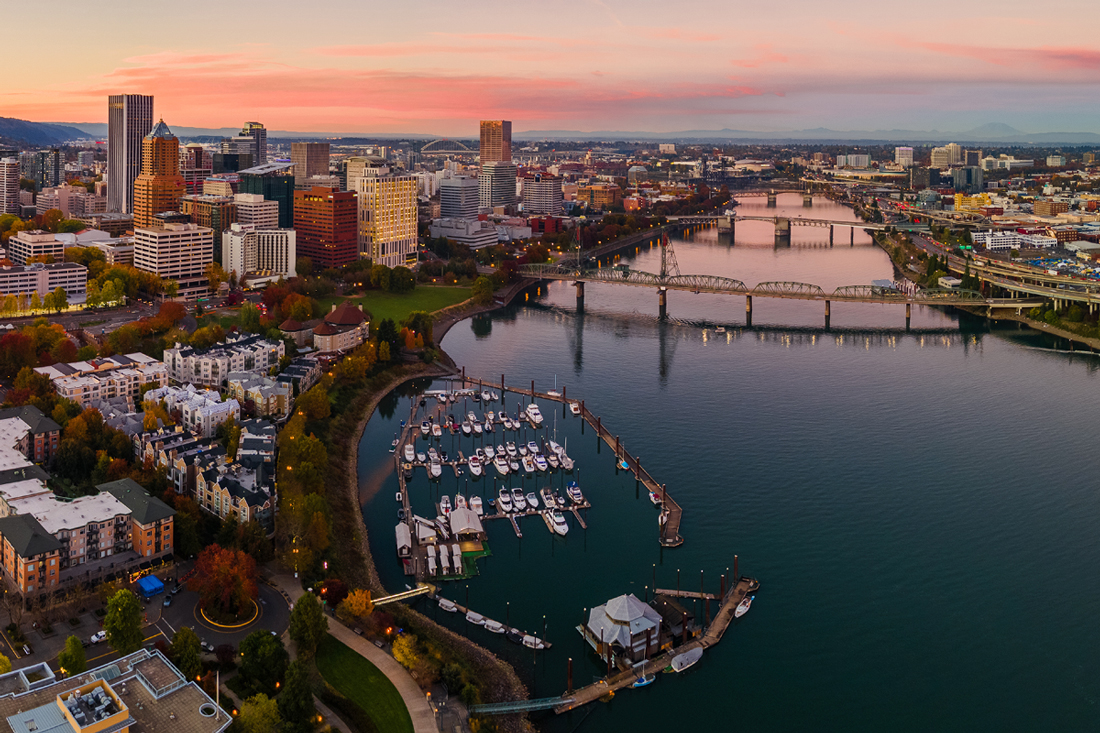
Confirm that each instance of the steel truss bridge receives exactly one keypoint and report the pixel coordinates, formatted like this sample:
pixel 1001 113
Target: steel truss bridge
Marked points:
pixel 785 222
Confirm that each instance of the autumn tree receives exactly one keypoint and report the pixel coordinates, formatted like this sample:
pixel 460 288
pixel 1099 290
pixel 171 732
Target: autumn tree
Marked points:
pixel 259 714
pixel 225 580
pixel 405 651
pixel 123 622
pixel 308 625
pixel 5 664
pixel 357 605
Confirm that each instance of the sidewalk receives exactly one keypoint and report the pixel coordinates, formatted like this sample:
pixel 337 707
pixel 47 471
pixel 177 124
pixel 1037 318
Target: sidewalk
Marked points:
pixel 420 711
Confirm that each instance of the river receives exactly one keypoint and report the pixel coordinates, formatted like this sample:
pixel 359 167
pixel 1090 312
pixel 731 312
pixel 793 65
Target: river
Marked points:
pixel 918 507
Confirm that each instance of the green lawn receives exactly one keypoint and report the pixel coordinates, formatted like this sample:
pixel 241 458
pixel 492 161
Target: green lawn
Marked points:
pixel 365 685
pixel 398 306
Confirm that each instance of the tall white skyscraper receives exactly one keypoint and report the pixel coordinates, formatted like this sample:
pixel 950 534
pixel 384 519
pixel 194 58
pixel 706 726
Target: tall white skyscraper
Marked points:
pixel 9 186
pixel 129 120
pixel 904 157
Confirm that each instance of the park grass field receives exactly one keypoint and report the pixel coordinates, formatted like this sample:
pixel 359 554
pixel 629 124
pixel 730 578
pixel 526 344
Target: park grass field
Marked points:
pixel 365 685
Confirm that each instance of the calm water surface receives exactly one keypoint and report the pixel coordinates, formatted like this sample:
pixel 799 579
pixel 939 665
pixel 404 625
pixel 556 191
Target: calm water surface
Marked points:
pixel 920 508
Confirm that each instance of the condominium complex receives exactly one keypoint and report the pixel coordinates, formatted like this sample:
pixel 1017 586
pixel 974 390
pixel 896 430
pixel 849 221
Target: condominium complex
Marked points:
pixel 129 119
pixel 326 223
pixel 211 367
pixel 9 185
pixel 275 182
pixel 387 219
pixel 201 410
pixel 309 159
pixel 357 167
pixel 496 141
pixel 249 249
pixel 254 209
pixel 458 197
pixel 160 185
pixel 497 184
pixel 269 398
pixel 542 194
pixel 122 375
pixel 44 167
pixel 177 252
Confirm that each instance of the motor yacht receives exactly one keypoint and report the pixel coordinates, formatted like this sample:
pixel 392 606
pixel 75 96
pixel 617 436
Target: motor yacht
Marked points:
pixel 573 491
pixel 534 415
pixel 575 408
pixel 532 447
pixel 478 428
pixel 566 461
pixel 540 462
pixel 554 448
pixel 510 449
pixel 410 453
pixel 528 464
pixel 490 452
pixel 552 459
pixel 445 504
pixel 532 501
pixel 475 466
pixel 518 500
pixel 513 465
pixel 504 500
pixel 476 506
pixel 466 427
pixel 436 469
pixel 558 520
pixel 501 464
pixel 547 497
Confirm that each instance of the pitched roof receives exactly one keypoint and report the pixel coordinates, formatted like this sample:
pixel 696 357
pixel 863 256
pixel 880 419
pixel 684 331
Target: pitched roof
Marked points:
pixel 144 508
pixel 160 130
pixel 291 325
pixel 345 314
pixel 326 329
pixel 35 419
pixel 27 536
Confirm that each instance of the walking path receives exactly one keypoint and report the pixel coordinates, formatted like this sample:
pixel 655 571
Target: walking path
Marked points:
pixel 420 711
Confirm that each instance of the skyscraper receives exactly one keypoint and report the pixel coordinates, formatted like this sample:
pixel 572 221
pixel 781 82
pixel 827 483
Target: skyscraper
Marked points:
pixel 458 197
pixel 258 133
pixel 129 118
pixel 325 222
pixel 309 159
pixel 44 167
pixel 497 184
pixel 387 219
pixel 196 165
pixel 9 185
pixel 496 141
pixel 275 182
pixel 542 194
pixel 903 156
pixel 160 185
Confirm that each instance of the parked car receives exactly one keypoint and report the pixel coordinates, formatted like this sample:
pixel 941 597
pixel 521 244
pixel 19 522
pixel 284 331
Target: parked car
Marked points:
pixel 167 601
pixel 99 636
pixel 207 647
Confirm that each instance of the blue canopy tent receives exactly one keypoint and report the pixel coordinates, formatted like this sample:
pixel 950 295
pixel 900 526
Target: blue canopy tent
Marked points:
pixel 150 585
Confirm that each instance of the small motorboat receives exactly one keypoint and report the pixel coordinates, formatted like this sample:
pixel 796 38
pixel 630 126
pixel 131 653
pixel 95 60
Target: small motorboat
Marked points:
pixel 460 501
pixel 425 428
pixel 514 635
pixel 513 466
pixel 448 605
pixel 547 497
pixel 409 452
pixel 490 452
pixel 471 417
pixel 532 447
pixel 466 427
pixel 422 456
pixel 433 454
pixel 481 455
pixel 575 408
pixel 401 514
pixel 393 445
pixel 475 466
pixel 399 497
pixel 501 465
pixel 495 396
pixel 408 469
pixel 489 426
pixel 443 456
pixel 486 396
pixel 655 498
pixel 510 448
pixel 475 618
pixel 445 504
pixel 720 329
pixel 528 464
pixel 532 642
pixel 491 416
pixel 534 415
pixel 436 469
pixel 478 429
pixel 504 500
pixel 682 661
pixel 573 491
pixel 475 505
pixel 558 521
pixel 624 465
pixel 475 396
pixel 437 430
pixel 522 449
pixel 518 501
pixel 500 449
pixel 560 500
pixel 495 626
pixel 743 606
pixel 566 461
pixel 552 459
pixel 554 393
pixel 532 500
pixel 540 462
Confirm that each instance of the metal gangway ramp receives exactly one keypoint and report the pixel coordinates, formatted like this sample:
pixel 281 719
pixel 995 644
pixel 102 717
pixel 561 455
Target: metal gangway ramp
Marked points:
pixel 519 706
pixel 421 589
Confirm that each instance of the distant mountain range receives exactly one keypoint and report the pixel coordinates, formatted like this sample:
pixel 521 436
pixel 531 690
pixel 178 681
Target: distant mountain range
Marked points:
pixel 52 133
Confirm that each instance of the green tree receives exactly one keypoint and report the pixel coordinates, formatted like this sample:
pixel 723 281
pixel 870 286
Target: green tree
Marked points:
pixel 60 299
pixel 250 318
pixel 186 652
pixel 296 701
pixel 308 625
pixel 303 266
pixel 483 291
pixel 259 714
pixel 380 277
pixel 263 661
pixel 72 659
pixel 402 280
pixel 123 622
pixel 171 288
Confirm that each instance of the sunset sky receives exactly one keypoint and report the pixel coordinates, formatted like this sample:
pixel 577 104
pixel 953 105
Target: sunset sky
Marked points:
pixel 437 67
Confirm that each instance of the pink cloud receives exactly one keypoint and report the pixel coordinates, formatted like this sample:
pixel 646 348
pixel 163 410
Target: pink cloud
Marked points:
pixel 764 55
pixel 1050 58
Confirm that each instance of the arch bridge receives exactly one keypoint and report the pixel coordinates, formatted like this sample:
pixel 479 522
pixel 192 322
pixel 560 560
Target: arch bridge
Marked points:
pixel 445 146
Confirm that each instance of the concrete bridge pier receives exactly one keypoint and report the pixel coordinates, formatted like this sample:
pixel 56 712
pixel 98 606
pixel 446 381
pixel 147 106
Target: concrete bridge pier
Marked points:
pixel 748 311
pixel 908 315
pixel 852 236
pixel 771 199
pixel 831 228
pixel 827 313
pixel 580 294
pixel 807 199
pixel 782 229
pixel 662 303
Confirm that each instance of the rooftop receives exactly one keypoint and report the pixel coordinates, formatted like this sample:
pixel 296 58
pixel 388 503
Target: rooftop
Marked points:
pixel 144 507
pixel 160 130
pixel 26 536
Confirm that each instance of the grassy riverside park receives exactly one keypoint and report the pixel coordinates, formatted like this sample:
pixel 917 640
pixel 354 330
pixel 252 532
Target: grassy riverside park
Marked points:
pixel 354 677
pixel 398 306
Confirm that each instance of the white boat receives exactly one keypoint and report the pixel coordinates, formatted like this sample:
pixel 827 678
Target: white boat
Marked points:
pixel 399 497
pixel 547 496
pixel 518 501
pixel 410 454
pixel 560 500
pixel 486 396
pixel 540 462
pixel 528 464
pixel 477 428
pixel 533 643
pixel 490 452
pixel 475 504
pixel 553 460
pixel 448 605
pixel 488 426
pixel 682 661
pixel 475 618
pixel 445 504
pixel 422 456
pixel 575 408
pixel 495 396
pixel 436 469
pixel 510 448
pixel 501 465
pixel 522 449
pixel 500 449
pixel 534 415
pixel 655 498
pixel 532 447
pixel 554 448
pixel 532 500
pixel 425 428
pixel 566 461
pixel 504 500
pixel 743 606
pixel 495 626
pixel 481 456
pixel 466 427
pixel 554 393
pixel 437 430
pixel 433 454
pixel 513 466
pixel 460 501
pixel 491 416
pixel 471 417
pixel 574 493
pixel 558 520
pixel 475 466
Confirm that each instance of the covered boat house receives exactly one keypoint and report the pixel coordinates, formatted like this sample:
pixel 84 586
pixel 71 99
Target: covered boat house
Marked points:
pixel 624 630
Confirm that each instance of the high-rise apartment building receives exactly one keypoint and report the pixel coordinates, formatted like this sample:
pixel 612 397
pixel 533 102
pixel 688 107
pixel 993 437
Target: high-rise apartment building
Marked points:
pixel 542 194
pixel 9 185
pixel 254 209
pixel 496 141
pixel 129 119
pixel 160 185
pixel 458 198
pixel 497 184
pixel 326 223
pixel 903 156
pixel 196 165
pixel 387 219
pixel 275 182
pixel 247 249
pixel 309 159
pixel 177 252
pixel 44 167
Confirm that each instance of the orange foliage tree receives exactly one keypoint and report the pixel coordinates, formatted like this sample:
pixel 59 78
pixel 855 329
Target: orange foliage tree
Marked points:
pixel 225 579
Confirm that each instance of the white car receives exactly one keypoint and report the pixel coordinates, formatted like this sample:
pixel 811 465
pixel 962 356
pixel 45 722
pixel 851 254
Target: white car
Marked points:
pixel 99 636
